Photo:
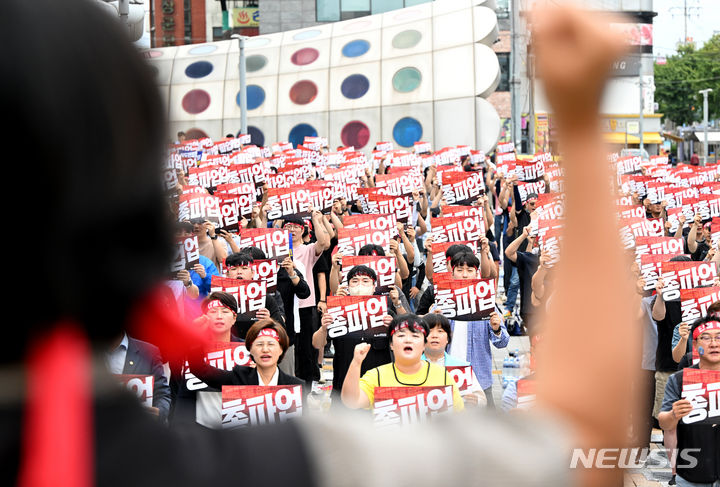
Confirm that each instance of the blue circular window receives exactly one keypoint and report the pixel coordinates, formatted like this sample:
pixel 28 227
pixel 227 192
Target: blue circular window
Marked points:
pixel 255 97
pixel 256 136
pixel 407 131
pixel 354 86
pixel 199 69
pixel 299 132
pixel 355 48
pixel 204 49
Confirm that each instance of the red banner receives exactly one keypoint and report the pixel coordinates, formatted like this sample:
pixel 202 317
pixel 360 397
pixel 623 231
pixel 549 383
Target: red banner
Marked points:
pixel 457 228
pixel 250 295
pixel 386 222
pixel 274 242
pixel 650 268
pixel 384 267
pixel 400 206
pixel 396 406
pixel 199 205
pixel 686 275
pixel 140 385
pixel 187 254
pixel 222 355
pixel 351 240
pixel 266 270
pixel 702 389
pixel 658 245
pixel 462 375
pixel 462 188
pixel 353 314
pixel 255 405
pixel 465 299
pixel 694 303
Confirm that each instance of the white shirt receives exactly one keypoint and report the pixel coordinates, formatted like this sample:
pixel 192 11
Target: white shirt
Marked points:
pixel 273 381
pixel 116 358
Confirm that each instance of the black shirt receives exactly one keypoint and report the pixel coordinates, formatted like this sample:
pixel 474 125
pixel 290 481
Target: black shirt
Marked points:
pixel 663 356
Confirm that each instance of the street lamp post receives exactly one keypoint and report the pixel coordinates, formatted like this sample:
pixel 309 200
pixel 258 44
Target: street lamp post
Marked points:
pixel 705 123
pixel 243 88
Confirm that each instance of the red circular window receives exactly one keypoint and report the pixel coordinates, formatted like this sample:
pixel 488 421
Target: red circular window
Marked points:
pixel 304 56
pixel 303 92
pixel 196 101
pixel 356 134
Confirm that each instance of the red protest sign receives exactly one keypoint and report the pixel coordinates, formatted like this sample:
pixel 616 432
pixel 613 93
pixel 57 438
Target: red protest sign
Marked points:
pixel 650 268
pixel 631 211
pixel 439 259
pixel 250 295
pixel 221 355
pixel 462 187
pixel 526 393
pixel 400 182
pixel 550 206
pixel 658 245
pixel 384 267
pixel 351 240
pixel 187 254
pixel 384 222
pixel 461 210
pixel 526 189
pixel 694 303
pixel 396 406
pixel 685 275
pixel 355 314
pixel 199 205
pixel 208 177
pixel 702 389
pixel 140 385
pixel 398 205
pixel 266 270
pixel 274 242
pixel 255 405
pixel 462 375
pixel 628 165
pixel 530 170
pixel 465 299
pixel 454 228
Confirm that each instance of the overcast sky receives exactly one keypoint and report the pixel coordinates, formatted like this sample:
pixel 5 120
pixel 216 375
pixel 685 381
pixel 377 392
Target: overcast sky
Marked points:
pixel 668 25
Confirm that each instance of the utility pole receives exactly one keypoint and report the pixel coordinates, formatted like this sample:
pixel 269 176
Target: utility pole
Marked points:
pixel 243 87
pixel 686 12
pixel 514 78
pixel 705 123
pixel 642 108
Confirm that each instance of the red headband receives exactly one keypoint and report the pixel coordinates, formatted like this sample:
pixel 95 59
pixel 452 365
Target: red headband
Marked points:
pixel 216 303
pixel 710 325
pixel 269 332
pixel 408 325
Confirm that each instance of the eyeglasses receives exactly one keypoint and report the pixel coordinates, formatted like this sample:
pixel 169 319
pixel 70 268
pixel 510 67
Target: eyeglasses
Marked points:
pixel 708 338
pixel 290 226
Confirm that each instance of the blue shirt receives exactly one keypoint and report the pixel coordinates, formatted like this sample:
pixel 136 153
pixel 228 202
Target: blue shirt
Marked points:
pixel 203 284
pixel 480 336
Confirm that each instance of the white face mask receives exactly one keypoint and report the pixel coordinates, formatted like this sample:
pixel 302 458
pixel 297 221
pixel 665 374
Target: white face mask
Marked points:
pixel 361 290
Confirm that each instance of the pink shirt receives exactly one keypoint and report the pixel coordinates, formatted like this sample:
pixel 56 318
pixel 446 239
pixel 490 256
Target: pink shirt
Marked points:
pixel 304 255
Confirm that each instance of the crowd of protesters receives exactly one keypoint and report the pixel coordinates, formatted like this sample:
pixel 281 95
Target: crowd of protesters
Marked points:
pixel 63 421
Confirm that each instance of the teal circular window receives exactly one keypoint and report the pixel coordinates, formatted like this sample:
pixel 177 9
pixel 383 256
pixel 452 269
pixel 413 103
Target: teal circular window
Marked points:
pixel 406 39
pixel 406 80
pixel 255 62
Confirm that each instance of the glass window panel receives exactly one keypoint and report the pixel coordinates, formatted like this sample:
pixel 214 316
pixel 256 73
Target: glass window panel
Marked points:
pixel 327 10
pixel 355 5
pixel 380 6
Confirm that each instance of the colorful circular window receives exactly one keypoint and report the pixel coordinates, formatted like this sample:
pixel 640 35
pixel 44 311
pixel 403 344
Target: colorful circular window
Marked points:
pixel 256 136
pixel 308 34
pixel 406 39
pixel 299 132
pixel 406 80
pixel 407 131
pixel 196 101
pixel 206 49
pixel 355 134
pixel 304 56
pixel 194 134
pixel 255 97
pixel 356 48
pixel 255 63
pixel 354 86
pixel 303 92
pixel 199 69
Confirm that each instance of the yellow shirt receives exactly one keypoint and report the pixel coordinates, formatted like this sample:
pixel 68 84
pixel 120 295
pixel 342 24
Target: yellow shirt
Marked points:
pixel 389 376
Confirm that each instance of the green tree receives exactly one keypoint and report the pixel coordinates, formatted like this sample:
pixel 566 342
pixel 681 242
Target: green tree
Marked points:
pixel 677 82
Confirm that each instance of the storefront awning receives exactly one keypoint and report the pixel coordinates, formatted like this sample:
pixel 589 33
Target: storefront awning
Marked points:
pixel 713 137
pixel 619 138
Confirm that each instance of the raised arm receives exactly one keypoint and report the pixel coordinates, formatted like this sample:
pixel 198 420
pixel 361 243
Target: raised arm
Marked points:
pixel 574 55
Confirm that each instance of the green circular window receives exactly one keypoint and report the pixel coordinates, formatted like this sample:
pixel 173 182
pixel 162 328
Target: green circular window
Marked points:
pixel 406 80
pixel 406 39
pixel 255 62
